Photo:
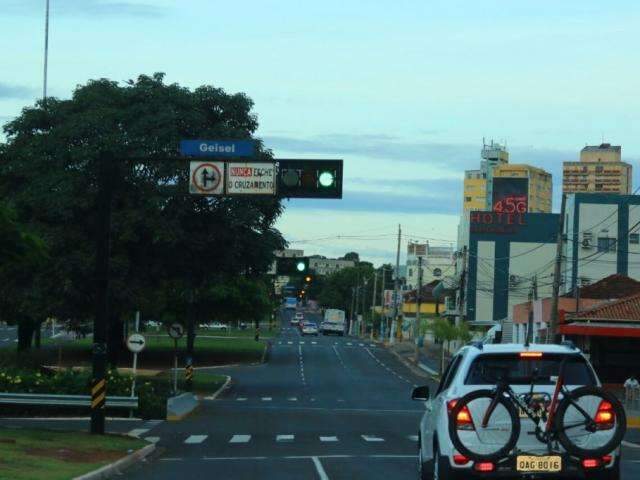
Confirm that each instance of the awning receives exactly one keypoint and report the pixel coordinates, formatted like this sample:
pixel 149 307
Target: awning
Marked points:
pixel 601 329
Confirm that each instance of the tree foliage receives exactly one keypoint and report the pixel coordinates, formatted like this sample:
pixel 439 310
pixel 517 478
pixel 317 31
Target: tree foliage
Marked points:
pixel 168 248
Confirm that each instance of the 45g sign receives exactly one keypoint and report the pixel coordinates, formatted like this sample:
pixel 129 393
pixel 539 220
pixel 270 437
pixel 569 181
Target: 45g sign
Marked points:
pixel 514 204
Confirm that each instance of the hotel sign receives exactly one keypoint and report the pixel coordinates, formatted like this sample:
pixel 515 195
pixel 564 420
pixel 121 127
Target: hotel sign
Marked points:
pixel 496 222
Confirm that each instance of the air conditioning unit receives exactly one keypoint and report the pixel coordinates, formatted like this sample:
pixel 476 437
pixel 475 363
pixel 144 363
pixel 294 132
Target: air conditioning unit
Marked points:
pixel 586 243
pixel 584 281
pixel 514 280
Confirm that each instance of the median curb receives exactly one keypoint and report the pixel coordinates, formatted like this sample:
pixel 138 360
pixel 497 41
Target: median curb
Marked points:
pixel 181 406
pixel 118 466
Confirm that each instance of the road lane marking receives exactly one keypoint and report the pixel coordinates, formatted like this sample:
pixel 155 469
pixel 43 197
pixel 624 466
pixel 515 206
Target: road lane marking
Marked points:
pixel 361 344
pixel 301 343
pixel 266 399
pixel 152 439
pixel 240 439
pixel 171 459
pixel 241 399
pixel 289 343
pixel 193 439
pixel 328 439
pixel 371 438
pixel 293 399
pixel 630 444
pixel 349 343
pixel 314 343
pixel 285 438
pixel 341 400
pixel 136 432
pixel 321 473
pixel 413 438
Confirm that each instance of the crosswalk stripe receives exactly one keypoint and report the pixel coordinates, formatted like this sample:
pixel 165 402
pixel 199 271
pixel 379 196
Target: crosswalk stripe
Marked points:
pixel 301 343
pixel 152 439
pixel 266 399
pixel 289 343
pixel 284 438
pixel 136 432
pixel 193 439
pixel 314 343
pixel 240 439
pixel 371 438
pixel 328 439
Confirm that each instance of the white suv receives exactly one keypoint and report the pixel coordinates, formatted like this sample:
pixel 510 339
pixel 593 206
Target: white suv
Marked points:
pixel 438 459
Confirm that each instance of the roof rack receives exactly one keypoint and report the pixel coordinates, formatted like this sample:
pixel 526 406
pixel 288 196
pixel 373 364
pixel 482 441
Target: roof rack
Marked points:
pixel 569 344
pixel 478 344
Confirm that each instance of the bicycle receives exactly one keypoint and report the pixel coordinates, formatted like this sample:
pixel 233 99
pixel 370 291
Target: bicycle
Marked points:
pixel 587 421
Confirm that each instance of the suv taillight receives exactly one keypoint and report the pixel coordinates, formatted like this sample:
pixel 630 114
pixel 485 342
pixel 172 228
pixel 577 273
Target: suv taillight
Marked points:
pixel 605 417
pixel 463 419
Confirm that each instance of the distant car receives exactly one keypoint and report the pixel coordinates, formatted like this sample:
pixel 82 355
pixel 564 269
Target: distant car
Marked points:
pixel 214 326
pixel 309 328
pixel 154 324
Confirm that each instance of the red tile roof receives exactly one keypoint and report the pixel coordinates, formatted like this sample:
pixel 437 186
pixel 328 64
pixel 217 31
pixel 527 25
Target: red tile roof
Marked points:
pixel 613 286
pixel 623 310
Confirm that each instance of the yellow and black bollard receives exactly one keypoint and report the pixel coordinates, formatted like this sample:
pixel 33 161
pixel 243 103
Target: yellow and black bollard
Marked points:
pixel 98 394
pixel 188 376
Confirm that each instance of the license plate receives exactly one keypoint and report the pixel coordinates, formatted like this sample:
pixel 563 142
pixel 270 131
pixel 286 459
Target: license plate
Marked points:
pixel 531 463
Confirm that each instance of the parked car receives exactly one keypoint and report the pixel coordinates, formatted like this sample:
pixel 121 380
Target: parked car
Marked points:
pixel 214 326
pixel 310 328
pixel 467 372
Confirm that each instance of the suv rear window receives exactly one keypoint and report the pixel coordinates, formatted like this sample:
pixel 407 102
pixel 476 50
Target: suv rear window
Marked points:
pixel 488 368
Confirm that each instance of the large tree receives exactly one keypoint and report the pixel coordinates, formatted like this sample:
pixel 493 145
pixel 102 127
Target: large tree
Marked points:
pixel 161 238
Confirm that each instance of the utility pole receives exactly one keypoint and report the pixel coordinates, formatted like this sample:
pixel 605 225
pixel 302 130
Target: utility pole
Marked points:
pixel 396 293
pixel 46 53
pixel 373 301
pixel 363 328
pixel 383 317
pixel 533 296
pixel 552 328
pixel 463 281
pixel 353 296
pixel 357 305
pixel 416 323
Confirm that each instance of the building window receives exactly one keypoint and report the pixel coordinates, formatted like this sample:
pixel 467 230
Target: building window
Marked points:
pixel 598 186
pixel 606 244
pixel 467 199
pixel 437 272
pixel 634 238
pixel 599 168
pixel 411 272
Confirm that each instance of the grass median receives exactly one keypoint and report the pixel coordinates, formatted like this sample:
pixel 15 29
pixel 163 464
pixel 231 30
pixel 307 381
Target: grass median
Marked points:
pixel 30 454
pixel 158 352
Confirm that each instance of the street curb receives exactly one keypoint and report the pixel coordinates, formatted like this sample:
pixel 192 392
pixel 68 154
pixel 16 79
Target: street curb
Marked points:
pixel 119 465
pixel 417 371
pixel 217 392
pixel 266 352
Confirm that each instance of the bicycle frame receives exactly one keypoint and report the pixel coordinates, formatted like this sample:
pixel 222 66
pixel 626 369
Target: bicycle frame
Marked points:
pixel 537 415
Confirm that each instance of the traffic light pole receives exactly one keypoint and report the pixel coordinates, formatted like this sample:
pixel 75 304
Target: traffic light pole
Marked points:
pixel 107 172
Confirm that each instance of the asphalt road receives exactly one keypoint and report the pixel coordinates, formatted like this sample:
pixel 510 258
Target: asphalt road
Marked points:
pixel 321 408
pixel 8 335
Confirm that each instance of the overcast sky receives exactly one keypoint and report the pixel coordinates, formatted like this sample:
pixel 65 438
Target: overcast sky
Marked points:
pixel 403 90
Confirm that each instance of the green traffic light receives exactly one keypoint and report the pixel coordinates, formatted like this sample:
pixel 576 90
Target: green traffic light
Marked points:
pixel 326 179
pixel 300 266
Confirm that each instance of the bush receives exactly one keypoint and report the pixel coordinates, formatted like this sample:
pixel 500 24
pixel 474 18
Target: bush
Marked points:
pixel 151 394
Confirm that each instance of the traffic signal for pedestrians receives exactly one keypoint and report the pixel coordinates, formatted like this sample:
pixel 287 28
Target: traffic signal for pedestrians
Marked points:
pixel 310 178
pixel 292 265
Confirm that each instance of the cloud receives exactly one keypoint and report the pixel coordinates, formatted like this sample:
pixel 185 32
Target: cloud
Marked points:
pixel 87 8
pixel 16 91
pixel 375 202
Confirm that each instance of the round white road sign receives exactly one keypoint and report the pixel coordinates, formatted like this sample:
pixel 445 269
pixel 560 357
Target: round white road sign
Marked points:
pixel 136 342
pixel 176 330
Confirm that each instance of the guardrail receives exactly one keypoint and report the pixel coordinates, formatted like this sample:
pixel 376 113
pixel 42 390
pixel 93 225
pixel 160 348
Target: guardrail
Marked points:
pixel 64 400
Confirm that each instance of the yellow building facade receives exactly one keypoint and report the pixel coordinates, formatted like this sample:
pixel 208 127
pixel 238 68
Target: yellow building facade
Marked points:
pixel 600 169
pixel 540 184
pixel 475 191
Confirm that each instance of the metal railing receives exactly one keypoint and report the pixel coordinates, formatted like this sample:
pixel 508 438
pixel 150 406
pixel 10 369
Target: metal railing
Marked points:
pixel 64 400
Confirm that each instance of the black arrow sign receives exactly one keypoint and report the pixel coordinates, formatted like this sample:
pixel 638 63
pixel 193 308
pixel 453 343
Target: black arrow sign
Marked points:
pixel 207 177
pixel 137 342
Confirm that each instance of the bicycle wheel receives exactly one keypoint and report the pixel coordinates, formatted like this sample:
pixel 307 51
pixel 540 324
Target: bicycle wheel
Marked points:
pixel 590 422
pixel 489 442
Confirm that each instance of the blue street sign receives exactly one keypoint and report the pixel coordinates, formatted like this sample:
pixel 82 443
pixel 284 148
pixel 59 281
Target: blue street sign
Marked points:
pixel 217 148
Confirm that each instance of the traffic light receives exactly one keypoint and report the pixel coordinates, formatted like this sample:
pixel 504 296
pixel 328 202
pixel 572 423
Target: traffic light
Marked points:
pixel 309 178
pixel 292 265
pixel 308 279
